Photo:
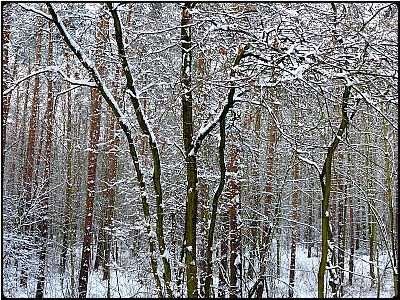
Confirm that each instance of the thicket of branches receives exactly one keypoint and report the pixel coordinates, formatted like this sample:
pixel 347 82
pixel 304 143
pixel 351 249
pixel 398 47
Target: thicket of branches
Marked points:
pixel 191 144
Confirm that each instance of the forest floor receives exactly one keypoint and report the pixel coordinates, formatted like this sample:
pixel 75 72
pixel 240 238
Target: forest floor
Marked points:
pixel 125 283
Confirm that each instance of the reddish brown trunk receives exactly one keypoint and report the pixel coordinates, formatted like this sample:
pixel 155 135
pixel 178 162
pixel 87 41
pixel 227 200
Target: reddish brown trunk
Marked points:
pixel 94 135
pixel 30 151
pixel 91 184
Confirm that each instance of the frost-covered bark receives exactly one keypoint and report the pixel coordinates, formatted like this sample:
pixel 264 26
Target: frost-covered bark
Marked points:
pixel 191 164
pixel 6 78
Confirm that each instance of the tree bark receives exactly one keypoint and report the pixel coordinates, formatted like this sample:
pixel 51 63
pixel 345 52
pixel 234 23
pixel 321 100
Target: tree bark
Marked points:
pixel 94 135
pixel 235 263
pixel 325 180
pixel 191 164
pixel 30 151
pixel 44 203
pixel 6 74
pixel 68 189
pixel 341 219
pixel 393 242
pixel 111 179
pixel 351 233
pixel 295 198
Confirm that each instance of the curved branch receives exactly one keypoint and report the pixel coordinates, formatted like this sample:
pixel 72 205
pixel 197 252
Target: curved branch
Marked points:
pixel 49 69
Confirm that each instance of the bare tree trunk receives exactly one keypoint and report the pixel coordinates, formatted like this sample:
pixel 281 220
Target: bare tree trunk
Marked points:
pixel 235 263
pixel 68 188
pixel 111 179
pixel 393 242
pixel 191 164
pixel 325 180
pixel 352 245
pixel 203 220
pixel 309 231
pixel 341 227
pixel 30 152
pixel 43 225
pixel 91 177
pixel 6 74
pixel 295 198
pixel 223 269
pixel 91 184
pixel 267 226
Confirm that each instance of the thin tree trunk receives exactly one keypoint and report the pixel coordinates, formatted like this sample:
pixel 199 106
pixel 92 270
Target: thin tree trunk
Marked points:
pixel 6 74
pixel 146 130
pixel 341 221
pixel 30 151
pixel 295 198
pixel 235 263
pixel 394 243
pixel 68 188
pixel 223 288
pixel 371 216
pixel 221 154
pixel 101 240
pixel 267 226
pixel 352 244
pixel 310 223
pixel 203 220
pixel 43 225
pixel 325 180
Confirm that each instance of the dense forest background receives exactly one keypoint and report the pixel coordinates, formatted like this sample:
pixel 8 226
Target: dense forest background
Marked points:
pixel 199 149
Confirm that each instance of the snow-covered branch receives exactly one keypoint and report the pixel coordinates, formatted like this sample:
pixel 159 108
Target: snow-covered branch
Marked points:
pixel 36 11
pixel 89 65
pixel 54 69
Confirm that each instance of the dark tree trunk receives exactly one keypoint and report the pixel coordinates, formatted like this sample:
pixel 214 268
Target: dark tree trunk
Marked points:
pixel 191 164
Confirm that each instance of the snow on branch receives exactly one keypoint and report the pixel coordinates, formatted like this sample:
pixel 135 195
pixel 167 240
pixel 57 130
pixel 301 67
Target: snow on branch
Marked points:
pixel 36 11
pixel 205 129
pixel 310 162
pixel 90 66
pixel 54 69
pixel 120 38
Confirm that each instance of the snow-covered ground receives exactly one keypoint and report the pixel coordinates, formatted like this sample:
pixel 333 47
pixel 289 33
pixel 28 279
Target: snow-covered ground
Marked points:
pixel 127 283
